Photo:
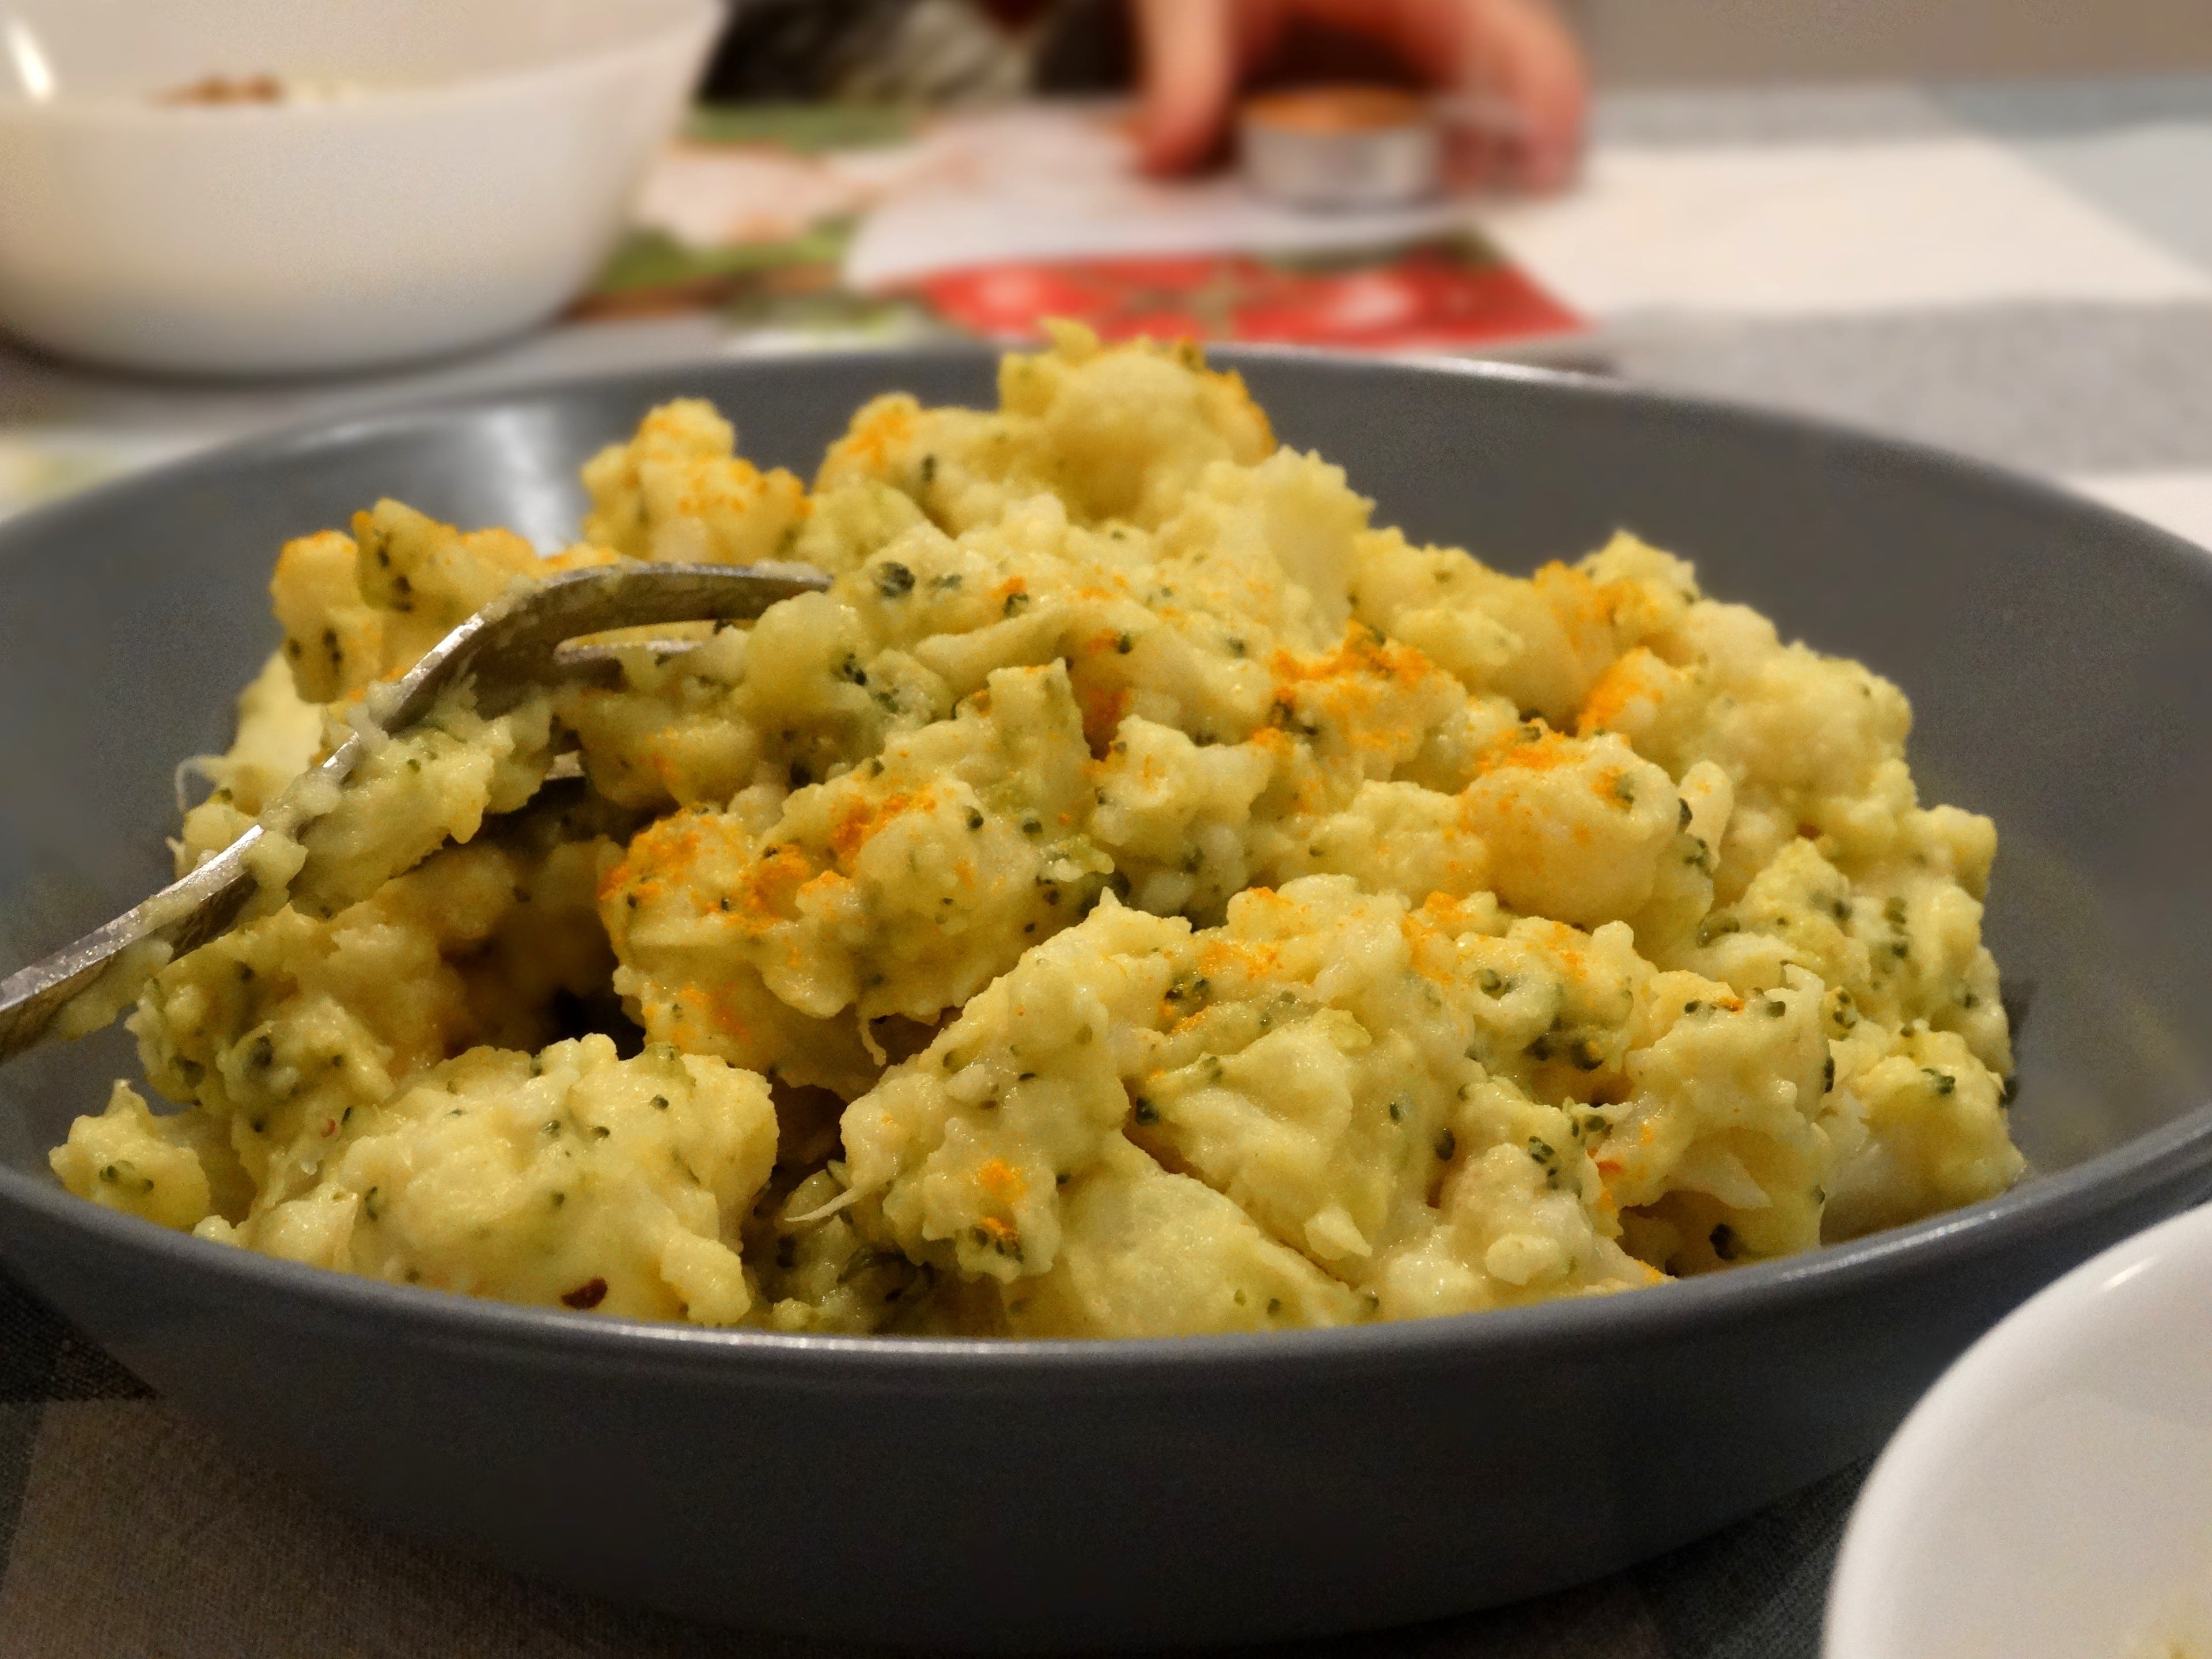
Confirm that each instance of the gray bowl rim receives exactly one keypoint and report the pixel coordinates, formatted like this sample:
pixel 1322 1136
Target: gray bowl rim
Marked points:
pixel 2162 1159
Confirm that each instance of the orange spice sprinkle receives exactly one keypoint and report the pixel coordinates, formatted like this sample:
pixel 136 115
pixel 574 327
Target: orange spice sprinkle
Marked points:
pixel 1003 1182
pixel 871 441
pixel 857 823
pixel 1363 654
pixel 1627 679
pixel 768 891
pixel 1516 753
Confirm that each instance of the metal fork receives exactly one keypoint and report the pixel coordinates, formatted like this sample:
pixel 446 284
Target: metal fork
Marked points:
pixel 509 647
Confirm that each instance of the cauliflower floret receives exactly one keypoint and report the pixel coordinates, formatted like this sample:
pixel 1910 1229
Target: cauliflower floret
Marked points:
pixel 901 887
pixel 1119 434
pixel 410 794
pixel 679 493
pixel 174 1171
pixel 363 608
pixel 1719 1153
pixel 571 1177
pixel 1920 1125
pixel 1147 1252
pixel 1576 826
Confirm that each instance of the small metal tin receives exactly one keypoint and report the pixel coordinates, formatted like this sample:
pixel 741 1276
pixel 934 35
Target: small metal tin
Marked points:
pixel 1341 148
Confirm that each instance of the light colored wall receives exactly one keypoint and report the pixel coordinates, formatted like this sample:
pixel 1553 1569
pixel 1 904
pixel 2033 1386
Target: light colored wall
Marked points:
pixel 1653 42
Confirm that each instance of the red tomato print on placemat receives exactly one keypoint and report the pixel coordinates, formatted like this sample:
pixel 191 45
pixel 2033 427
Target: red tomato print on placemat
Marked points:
pixel 1442 294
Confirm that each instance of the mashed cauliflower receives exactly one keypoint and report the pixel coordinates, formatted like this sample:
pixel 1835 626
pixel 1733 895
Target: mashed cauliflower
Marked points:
pixel 1141 897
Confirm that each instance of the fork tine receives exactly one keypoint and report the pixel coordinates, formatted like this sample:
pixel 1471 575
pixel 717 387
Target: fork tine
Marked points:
pixel 511 642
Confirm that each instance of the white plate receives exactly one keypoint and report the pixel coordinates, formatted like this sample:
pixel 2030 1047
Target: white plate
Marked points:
pixel 2051 1497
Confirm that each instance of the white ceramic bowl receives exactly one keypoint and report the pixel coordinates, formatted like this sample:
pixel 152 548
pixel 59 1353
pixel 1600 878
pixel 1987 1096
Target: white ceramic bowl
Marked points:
pixel 2051 1497
pixel 470 185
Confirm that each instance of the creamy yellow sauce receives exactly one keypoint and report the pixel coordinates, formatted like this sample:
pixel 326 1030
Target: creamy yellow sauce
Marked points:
pixel 1141 896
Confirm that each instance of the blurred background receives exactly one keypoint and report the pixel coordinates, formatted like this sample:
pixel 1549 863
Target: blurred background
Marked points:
pixel 1648 42
pixel 1984 224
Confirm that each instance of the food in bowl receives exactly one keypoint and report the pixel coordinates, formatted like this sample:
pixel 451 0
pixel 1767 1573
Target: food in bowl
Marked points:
pixel 1139 898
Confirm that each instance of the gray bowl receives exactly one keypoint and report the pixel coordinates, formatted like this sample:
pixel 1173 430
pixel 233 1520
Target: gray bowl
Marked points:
pixel 1050 1494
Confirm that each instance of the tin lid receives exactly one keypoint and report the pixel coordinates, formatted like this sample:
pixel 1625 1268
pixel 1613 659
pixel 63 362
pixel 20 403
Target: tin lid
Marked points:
pixel 1342 149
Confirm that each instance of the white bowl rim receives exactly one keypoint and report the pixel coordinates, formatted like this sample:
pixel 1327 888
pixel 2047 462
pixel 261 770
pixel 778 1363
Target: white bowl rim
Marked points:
pixel 687 21
pixel 2059 1317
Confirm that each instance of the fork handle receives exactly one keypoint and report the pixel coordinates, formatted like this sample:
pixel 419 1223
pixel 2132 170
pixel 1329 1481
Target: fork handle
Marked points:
pixel 132 948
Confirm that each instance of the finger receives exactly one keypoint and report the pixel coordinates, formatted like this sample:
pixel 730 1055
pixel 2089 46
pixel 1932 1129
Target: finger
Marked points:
pixel 1189 70
pixel 1447 44
pixel 1517 51
pixel 1525 56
